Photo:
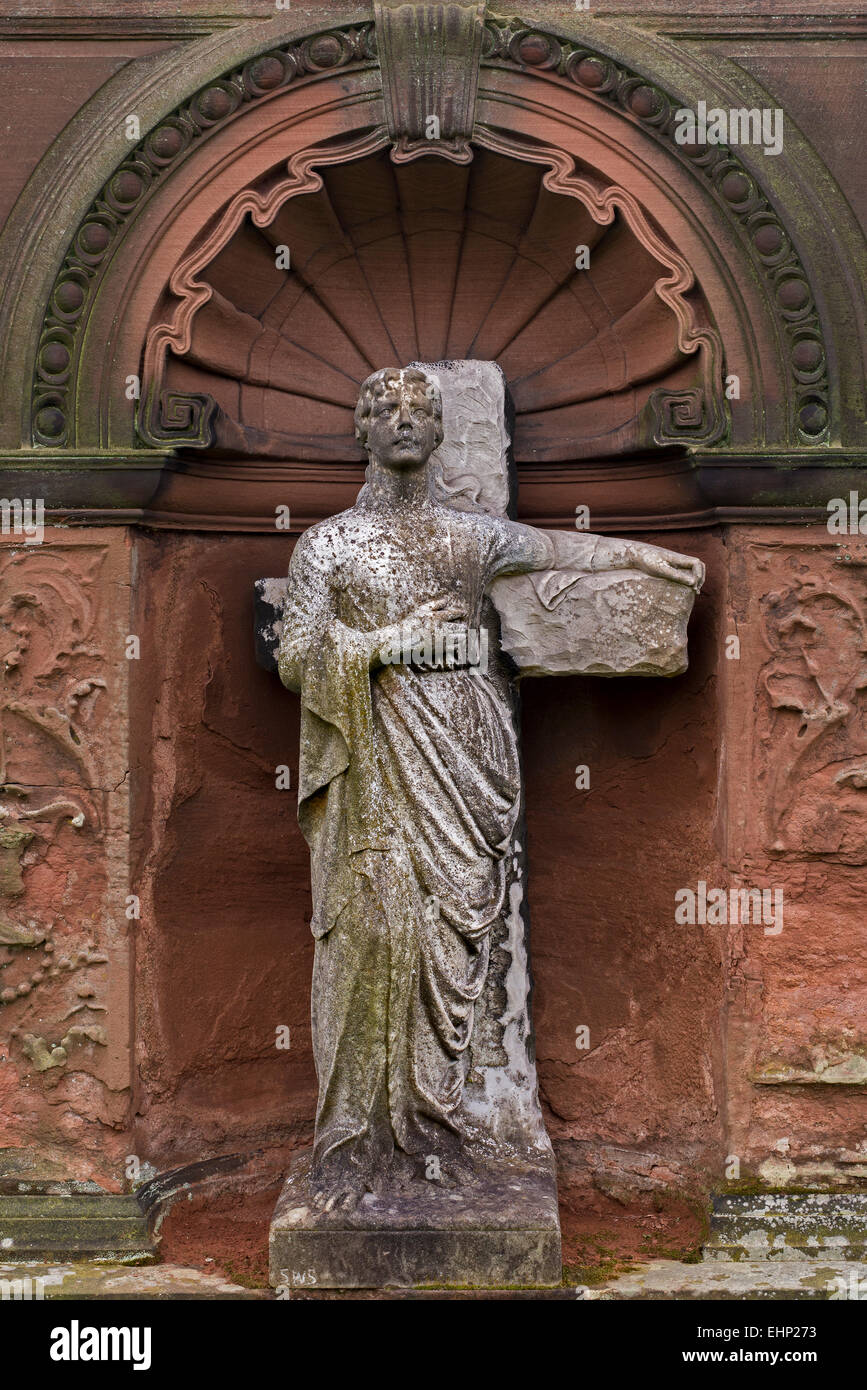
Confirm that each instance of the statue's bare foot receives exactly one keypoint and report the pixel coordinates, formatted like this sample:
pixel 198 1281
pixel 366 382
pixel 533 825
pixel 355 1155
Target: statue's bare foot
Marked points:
pixel 337 1196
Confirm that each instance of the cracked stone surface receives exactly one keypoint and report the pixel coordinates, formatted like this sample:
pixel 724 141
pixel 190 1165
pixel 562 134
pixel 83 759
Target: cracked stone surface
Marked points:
pixel 789 1226
pixel 625 624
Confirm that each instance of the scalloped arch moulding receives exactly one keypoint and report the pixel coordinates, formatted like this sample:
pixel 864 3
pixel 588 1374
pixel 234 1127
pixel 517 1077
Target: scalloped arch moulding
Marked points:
pixel 289 103
pixel 628 407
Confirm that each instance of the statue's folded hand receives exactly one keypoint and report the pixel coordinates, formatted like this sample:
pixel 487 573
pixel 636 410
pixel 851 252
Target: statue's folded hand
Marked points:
pixel 668 564
pixel 420 627
pixel 437 611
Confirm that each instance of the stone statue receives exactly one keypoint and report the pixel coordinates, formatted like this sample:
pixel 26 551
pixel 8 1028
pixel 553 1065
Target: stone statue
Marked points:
pixel 410 794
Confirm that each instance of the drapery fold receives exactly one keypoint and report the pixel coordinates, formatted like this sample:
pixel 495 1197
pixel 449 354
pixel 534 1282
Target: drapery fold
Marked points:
pixel 409 791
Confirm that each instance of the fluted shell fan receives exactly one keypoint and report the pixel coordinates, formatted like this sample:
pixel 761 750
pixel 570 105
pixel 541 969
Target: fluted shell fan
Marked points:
pixel 431 261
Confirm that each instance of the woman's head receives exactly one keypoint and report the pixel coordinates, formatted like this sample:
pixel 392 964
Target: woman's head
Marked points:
pixel 399 416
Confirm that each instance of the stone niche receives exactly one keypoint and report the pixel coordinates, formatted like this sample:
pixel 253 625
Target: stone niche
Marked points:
pixel 139 777
pixel 392 262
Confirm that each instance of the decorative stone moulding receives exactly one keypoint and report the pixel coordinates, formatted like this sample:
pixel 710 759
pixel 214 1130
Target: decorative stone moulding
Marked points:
pixel 429 55
pixel 286 394
pixel 805 681
pixel 512 44
pixel 64 874
pixel 127 191
pixel 172 419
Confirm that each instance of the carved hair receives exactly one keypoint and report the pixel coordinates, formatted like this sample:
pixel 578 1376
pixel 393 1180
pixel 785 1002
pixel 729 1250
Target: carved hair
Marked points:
pixel 380 382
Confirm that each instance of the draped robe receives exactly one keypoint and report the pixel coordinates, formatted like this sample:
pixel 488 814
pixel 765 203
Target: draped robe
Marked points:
pixel 409 789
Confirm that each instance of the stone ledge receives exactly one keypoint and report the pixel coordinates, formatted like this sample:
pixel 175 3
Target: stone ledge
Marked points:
pixel 663 1280
pixel 52 1226
pixel 659 1281
pixel 788 1228
pixel 90 1279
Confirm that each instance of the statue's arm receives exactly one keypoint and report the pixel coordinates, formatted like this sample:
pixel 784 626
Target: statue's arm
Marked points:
pixel 308 611
pixel 590 554
pixel 523 549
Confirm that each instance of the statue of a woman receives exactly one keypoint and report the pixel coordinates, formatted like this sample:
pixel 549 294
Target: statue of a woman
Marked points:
pixel 409 786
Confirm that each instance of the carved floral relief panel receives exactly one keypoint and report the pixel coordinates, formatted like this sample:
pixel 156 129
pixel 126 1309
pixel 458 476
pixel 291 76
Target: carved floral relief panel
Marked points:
pixel 64 607
pixel 795 669
pixel 807 656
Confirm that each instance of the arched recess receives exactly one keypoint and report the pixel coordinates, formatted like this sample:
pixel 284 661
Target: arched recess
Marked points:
pixel 607 354
pixel 558 101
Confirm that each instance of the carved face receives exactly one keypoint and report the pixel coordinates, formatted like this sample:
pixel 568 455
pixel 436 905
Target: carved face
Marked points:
pixel 402 427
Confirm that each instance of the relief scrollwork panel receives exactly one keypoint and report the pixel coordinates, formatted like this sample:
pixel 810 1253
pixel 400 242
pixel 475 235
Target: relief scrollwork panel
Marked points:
pixel 809 754
pixel 794 677
pixel 64 610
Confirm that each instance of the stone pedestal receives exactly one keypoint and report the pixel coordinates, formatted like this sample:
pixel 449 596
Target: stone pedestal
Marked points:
pixel 500 1229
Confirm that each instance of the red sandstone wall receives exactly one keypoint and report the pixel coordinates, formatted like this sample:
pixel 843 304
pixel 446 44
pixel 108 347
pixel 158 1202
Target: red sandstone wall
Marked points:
pixel 224 950
pixel 641 1108
pixel 707 1043
pixel 51 82
pixel 224 953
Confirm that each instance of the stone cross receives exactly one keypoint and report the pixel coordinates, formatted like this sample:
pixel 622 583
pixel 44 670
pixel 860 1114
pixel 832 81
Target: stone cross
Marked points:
pixel 403 624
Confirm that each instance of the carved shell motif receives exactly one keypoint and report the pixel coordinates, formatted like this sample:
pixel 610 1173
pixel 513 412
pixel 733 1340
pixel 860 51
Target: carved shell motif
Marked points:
pixel 593 318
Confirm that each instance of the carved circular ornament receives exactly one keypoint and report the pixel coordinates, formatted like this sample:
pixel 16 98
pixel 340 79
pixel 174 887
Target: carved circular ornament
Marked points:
pixel 124 193
pixel 509 43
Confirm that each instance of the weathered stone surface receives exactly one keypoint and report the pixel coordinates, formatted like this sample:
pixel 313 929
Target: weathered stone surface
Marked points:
pixel 502 1228
pixel 752 1279
pixel 660 1280
pixel 473 468
pixel 70 1226
pixel 429 59
pixel 623 624
pixel 615 624
pixel 209 729
pixel 268 620
pixel 783 1226
pixel 843 1069
pixel 26 1280
pixel 64 855
pixel 798 999
pixel 657 1076
pixel 398 850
